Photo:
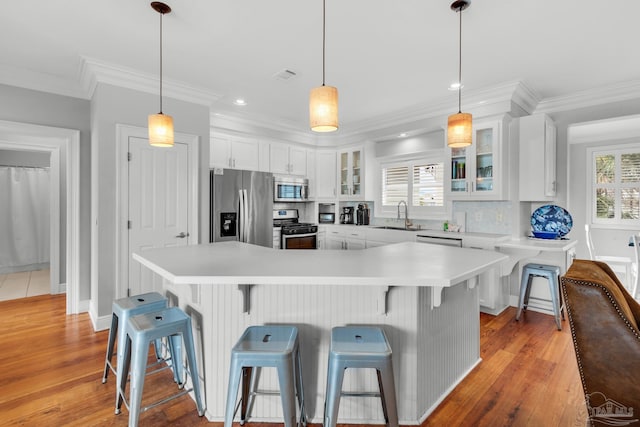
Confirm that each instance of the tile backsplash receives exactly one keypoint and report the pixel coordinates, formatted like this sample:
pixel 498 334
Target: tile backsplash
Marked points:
pixel 485 217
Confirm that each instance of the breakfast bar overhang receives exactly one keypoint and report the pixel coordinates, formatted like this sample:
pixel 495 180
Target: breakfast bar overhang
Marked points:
pixel 423 295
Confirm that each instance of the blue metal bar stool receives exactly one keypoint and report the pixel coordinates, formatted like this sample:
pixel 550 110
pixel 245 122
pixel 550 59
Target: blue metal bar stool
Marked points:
pixel 273 346
pixel 140 331
pixel 360 347
pixel 122 309
pixel 552 274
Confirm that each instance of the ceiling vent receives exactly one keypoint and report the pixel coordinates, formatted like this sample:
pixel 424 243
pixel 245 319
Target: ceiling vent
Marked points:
pixel 284 75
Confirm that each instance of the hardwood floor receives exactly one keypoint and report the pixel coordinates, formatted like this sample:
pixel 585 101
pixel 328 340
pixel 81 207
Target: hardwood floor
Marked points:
pixel 51 369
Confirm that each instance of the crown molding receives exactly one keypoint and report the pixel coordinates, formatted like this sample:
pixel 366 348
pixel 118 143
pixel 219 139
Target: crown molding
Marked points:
pixel 93 71
pixel 593 97
pixel 42 82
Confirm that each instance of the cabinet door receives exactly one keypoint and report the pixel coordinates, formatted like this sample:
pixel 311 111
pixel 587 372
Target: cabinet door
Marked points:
pixel 326 171
pixel 334 242
pixel 485 154
pixel 475 172
pixel 297 161
pixel 279 158
pixel 537 158
pixel 356 173
pixel 351 174
pixel 245 154
pixel 343 164
pixel 352 244
pixel 219 153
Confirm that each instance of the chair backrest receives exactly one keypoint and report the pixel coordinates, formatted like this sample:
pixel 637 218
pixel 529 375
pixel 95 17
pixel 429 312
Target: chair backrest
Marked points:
pixel 587 231
pixel 604 324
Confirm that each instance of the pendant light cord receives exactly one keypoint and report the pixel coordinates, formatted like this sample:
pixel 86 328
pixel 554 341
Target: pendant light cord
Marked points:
pixel 323 36
pixel 460 62
pixel 161 62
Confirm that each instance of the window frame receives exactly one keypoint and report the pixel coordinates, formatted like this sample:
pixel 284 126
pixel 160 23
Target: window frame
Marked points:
pixel 617 151
pixel 413 212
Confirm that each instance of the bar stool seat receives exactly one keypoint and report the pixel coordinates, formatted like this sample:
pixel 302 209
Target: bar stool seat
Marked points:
pixel 552 274
pixel 273 346
pixel 140 331
pixel 360 347
pixel 121 310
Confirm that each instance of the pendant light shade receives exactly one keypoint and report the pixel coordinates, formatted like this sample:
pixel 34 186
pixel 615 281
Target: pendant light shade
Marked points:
pixel 160 130
pixel 323 100
pixel 323 109
pixel 160 125
pixel 459 126
pixel 459 132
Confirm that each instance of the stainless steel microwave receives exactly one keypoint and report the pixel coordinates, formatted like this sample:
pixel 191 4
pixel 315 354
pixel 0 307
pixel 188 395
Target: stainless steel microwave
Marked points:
pixel 290 189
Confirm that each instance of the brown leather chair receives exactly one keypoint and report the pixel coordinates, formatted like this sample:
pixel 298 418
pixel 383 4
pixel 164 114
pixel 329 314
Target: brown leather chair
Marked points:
pixel 604 322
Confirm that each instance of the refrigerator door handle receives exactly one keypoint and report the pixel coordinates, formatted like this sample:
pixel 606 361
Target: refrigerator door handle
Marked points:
pixel 240 216
pixel 245 227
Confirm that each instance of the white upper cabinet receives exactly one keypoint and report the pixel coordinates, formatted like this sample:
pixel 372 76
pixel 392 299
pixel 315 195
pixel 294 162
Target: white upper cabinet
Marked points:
pixel 480 171
pixel 325 180
pixel 234 152
pixel 537 158
pixel 287 159
pixel 351 173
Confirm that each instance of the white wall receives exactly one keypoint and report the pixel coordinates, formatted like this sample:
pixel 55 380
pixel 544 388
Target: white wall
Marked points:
pixel 573 189
pixel 113 105
pixel 29 106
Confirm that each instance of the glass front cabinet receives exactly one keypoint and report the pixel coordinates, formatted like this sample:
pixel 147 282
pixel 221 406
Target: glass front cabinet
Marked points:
pixel 478 172
pixel 350 170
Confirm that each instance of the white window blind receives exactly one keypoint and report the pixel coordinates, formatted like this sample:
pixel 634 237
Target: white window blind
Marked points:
pixel 428 187
pixel 395 185
pixel 419 183
pixel 616 186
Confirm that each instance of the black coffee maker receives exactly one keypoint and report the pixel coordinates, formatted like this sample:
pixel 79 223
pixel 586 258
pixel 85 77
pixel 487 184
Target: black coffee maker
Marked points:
pixel 346 217
pixel 362 214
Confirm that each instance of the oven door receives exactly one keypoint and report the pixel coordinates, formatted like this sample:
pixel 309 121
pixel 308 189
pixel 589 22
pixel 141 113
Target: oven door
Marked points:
pixel 300 241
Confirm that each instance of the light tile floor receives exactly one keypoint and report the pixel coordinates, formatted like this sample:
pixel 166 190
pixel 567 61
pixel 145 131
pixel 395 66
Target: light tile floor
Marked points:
pixel 24 284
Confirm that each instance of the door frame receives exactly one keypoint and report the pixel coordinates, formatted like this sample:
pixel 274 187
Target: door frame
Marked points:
pixel 64 144
pixel 123 133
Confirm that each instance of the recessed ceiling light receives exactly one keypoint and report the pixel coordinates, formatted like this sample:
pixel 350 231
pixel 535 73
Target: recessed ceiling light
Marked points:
pixel 240 101
pixel 402 135
pixel 455 86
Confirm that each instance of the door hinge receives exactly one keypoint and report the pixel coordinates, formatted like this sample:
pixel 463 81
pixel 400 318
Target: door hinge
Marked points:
pixel 129 156
pixel 129 225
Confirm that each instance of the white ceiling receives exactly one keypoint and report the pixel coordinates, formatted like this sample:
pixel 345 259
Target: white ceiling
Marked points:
pixel 385 57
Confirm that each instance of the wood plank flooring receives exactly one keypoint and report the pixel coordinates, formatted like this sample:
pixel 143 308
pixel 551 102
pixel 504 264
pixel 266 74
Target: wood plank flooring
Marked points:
pixel 51 369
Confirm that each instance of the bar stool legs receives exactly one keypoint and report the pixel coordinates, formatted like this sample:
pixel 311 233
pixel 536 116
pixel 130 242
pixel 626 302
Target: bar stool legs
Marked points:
pixel 140 331
pixel 122 309
pixel 552 274
pixel 266 346
pixel 360 347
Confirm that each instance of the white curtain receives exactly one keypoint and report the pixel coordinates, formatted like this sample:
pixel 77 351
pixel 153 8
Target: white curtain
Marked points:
pixel 24 218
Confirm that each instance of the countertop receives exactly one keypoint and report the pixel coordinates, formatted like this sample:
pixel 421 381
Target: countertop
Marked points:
pixel 546 245
pixel 398 264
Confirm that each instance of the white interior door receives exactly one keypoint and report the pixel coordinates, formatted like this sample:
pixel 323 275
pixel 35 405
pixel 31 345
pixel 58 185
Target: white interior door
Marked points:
pixel 158 205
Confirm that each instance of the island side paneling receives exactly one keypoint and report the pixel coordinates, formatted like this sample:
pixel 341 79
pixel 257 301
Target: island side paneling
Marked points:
pixel 433 349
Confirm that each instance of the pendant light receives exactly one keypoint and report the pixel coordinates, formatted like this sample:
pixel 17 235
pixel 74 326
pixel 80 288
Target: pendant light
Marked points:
pixel 160 125
pixel 323 100
pixel 459 132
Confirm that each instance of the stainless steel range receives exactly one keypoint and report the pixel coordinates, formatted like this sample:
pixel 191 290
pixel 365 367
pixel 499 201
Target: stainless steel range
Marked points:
pixel 295 234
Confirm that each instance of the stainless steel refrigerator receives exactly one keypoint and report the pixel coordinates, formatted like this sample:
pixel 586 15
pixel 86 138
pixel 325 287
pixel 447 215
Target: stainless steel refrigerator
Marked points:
pixel 241 206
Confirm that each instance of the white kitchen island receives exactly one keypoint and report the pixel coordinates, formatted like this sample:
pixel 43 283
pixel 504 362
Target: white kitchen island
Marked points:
pixel 424 296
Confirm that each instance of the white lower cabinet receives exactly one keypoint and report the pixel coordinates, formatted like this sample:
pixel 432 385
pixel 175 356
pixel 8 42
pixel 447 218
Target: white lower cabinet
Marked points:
pixel 345 237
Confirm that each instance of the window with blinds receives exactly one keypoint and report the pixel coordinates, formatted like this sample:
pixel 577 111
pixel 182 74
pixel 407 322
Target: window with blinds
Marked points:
pixel 419 183
pixel 616 185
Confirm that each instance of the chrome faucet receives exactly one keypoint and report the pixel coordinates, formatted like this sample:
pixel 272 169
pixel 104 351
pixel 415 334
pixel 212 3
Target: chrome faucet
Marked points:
pixel 407 223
